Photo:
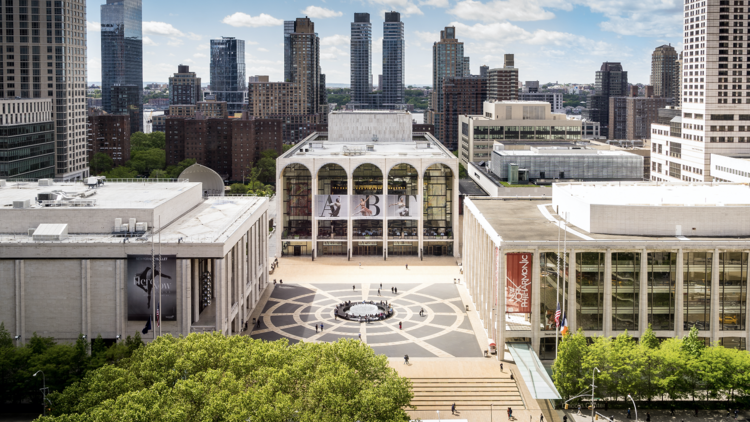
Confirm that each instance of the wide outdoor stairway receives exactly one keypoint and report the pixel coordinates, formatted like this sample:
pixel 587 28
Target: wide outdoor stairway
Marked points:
pixel 467 393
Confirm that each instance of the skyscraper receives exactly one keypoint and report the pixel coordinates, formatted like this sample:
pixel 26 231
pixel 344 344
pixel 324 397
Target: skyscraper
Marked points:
pixel 677 82
pixel 185 87
pixel 393 78
pixel 41 63
pixel 467 66
pixel 663 62
pixel 361 59
pixel 447 61
pixel 502 82
pixel 122 55
pixel 611 81
pixel 228 81
pixel 288 31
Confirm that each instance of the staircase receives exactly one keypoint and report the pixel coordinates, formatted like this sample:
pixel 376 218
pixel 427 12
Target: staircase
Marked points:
pixel 467 393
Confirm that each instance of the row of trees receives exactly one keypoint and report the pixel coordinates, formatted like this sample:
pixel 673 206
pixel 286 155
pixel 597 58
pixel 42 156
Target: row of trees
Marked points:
pixel 677 368
pixel 63 364
pixel 237 378
pixel 147 159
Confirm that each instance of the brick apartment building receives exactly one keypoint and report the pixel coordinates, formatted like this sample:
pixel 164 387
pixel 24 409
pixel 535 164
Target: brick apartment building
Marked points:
pixel 227 146
pixel 109 134
pixel 461 95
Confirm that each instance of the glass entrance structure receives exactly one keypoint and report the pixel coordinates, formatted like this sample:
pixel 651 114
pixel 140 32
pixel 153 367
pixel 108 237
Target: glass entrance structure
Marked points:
pixel 297 210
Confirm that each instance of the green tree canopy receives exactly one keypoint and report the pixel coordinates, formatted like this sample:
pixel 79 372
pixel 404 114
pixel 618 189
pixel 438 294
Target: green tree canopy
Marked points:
pixel 140 141
pixel 213 377
pixel 121 172
pixel 101 163
pixel 146 161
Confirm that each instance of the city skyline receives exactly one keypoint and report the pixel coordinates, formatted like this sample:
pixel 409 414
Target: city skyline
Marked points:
pixel 552 40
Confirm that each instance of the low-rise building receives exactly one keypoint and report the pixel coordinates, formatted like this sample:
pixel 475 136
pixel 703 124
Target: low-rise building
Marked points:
pixel 554 99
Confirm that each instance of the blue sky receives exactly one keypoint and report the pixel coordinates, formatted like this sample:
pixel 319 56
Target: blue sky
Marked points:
pixel 553 40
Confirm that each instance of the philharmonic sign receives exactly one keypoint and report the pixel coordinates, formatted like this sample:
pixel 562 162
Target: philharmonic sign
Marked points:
pixel 518 289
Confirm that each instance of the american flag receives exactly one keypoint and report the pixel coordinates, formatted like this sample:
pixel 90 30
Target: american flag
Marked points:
pixel 557 315
pixel 158 318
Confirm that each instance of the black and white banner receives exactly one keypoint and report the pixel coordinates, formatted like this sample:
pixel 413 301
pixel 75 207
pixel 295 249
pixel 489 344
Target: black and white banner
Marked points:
pixel 331 207
pixel 367 207
pixel 403 207
pixel 143 287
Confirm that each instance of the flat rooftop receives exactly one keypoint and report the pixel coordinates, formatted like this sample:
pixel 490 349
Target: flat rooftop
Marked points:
pixel 421 146
pixel 534 221
pixel 112 195
pixel 539 152
pixel 648 193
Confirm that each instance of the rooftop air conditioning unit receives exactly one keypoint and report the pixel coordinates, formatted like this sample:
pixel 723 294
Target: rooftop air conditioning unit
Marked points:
pixel 2 183
pixel 51 232
pixel 22 204
pixel 46 182
pixel 118 225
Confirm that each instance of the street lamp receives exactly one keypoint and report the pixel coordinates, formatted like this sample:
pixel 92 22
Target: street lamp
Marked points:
pixel 593 386
pixel 44 392
pixel 634 408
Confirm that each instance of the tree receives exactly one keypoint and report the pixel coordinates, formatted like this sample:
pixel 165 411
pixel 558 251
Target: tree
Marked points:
pixel 158 174
pixel 140 141
pixel 101 163
pixel 567 370
pixel 462 173
pixel 238 189
pixel 146 161
pixel 173 172
pixel 121 172
pixel 213 377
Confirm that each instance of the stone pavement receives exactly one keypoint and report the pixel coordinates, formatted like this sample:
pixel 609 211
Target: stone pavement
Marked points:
pixel 620 415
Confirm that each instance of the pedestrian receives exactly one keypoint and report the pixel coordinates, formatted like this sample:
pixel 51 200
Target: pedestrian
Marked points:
pixel 648 417
pixel 629 413
pixel 391 289
pixel 501 367
pixel 321 327
pixel 274 281
pixel 565 418
pixel 395 289
pixel 579 409
pixel 406 359
pixel 360 336
pixel 316 328
pixel 736 411
pixel 281 281
pixel 509 413
pixel 258 322
pixel 353 288
pixel 541 417
pixel 378 292
pixel 453 409
pixel 407 266
pixel 399 325
pixel 671 409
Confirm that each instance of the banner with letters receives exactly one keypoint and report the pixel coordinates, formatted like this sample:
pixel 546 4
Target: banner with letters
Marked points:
pixel 403 207
pixel 143 287
pixel 518 288
pixel 331 207
pixel 367 207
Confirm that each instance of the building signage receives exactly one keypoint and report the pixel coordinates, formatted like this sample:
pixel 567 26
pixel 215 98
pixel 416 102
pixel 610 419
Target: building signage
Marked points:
pixel 143 292
pixel 367 207
pixel 364 188
pixel 518 289
pixel 331 207
pixel 403 207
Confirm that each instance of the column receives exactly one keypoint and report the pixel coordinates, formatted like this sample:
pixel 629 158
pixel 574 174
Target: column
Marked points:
pixel 715 302
pixel 420 198
pixel 643 294
pixel 187 297
pixel 20 302
pixel 118 298
pixel 502 271
pixel 454 217
pixel 536 301
pixel 85 298
pixel 349 225
pixel 747 314
pixel 385 211
pixel 313 222
pixel 679 295
pixel 195 311
pixel 607 318
pixel 219 288
pixel 572 286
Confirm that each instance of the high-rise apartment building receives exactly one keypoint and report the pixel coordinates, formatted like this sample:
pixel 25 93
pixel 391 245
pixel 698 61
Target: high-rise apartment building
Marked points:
pixel 553 98
pixel 27 138
pixel 677 85
pixel 531 87
pixel 109 134
pixel 484 71
pixel 361 59
pixel 467 66
pixel 228 81
pixel 394 60
pixel 663 62
pixel 185 87
pixel 122 58
pixel 41 59
pixel 503 82
pixel 611 81
pixel 463 95
pixel 630 118
pixel 301 102
pixel 715 98
pixel 288 31
pixel 447 61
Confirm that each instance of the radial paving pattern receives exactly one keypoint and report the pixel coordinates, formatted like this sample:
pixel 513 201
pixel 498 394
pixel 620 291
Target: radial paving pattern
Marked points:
pixel 293 310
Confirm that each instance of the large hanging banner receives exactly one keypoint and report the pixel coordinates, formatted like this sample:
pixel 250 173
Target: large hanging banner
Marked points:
pixel 403 207
pixel 518 289
pixel 143 292
pixel 367 207
pixel 331 207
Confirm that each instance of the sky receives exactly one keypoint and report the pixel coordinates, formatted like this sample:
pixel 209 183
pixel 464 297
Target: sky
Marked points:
pixel 561 41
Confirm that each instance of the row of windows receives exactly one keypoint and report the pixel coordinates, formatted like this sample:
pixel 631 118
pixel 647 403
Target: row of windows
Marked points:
pixel 733 171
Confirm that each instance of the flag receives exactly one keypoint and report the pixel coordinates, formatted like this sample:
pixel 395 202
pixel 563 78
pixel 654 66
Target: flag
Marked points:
pixel 564 329
pixel 158 317
pixel 147 328
pixel 557 315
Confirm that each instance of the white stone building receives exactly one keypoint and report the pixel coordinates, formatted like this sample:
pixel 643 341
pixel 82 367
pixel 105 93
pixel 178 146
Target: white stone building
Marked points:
pixel 361 194
pixel 77 259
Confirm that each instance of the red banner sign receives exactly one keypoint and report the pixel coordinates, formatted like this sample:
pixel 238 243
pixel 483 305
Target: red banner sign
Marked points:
pixel 518 288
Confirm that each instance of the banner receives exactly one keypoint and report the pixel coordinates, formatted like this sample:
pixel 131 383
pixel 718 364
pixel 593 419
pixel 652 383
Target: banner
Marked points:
pixel 331 207
pixel 143 293
pixel 518 289
pixel 403 207
pixel 367 207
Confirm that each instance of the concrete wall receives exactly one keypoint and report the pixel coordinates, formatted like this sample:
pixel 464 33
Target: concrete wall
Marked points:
pixel 8 294
pixel 53 297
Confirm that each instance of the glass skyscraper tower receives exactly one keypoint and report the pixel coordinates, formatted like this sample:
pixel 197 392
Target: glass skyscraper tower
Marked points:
pixel 361 59
pixel 122 57
pixel 393 59
pixel 228 82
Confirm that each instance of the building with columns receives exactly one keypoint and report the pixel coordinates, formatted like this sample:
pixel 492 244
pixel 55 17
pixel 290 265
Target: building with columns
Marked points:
pixel 672 256
pixel 368 186
pixel 77 258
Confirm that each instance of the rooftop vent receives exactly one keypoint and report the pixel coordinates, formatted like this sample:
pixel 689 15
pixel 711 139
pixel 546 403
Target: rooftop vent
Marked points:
pixel 22 204
pixel 46 182
pixel 2 183
pixel 50 232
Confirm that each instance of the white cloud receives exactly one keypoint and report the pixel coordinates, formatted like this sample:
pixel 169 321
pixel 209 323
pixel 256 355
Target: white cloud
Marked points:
pixel 149 41
pixel 93 26
pixel 263 49
pixel 200 55
pixel 320 12
pixel 332 53
pixel 194 37
pixel 335 40
pixel 406 7
pixel 240 19
pixel 428 36
pixel 161 28
pixel 174 42
pixel 435 3
pixel 204 46
pixel 377 47
pixel 508 10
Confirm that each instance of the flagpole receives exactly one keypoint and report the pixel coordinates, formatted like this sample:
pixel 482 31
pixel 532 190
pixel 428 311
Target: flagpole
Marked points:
pixel 160 311
pixel 565 273
pixel 557 295
pixel 153 285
